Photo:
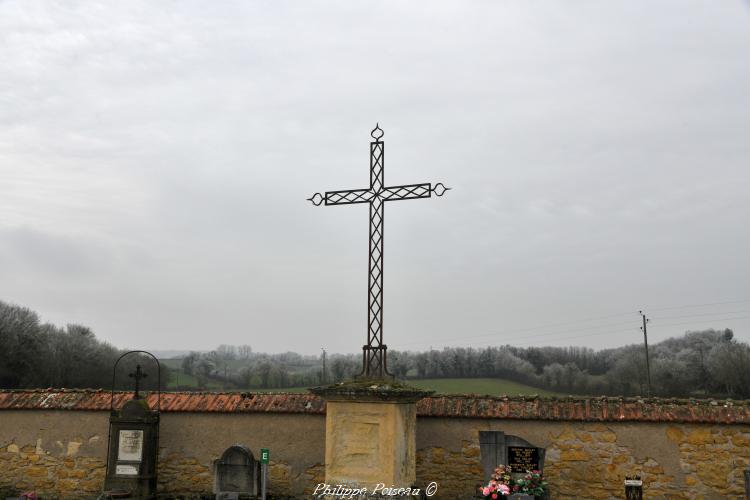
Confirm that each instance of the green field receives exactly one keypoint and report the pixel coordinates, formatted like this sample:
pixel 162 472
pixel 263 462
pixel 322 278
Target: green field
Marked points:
pixel 490 386
pixel 481 386
pixel 285 389
pixel 182 379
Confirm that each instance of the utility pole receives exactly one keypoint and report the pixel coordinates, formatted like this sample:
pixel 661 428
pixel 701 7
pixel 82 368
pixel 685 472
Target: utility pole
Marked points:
pixel 645 343
pixel 323 376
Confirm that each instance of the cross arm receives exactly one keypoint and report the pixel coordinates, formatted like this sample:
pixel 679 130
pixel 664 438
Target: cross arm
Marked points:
pixel 346 197
pixel 407 192
pixel 413 191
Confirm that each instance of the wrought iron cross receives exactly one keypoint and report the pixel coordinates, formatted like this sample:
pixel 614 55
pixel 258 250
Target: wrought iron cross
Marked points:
pixel 138 375
pixel 374 352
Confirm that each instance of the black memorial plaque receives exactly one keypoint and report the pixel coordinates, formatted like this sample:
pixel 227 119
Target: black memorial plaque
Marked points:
pixel 523 458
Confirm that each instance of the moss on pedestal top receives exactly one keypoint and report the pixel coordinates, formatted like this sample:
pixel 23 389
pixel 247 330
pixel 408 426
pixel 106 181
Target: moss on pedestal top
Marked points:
pixel 371 389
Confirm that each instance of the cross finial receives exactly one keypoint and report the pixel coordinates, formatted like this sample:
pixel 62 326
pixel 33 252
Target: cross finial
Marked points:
pixel 377 133
pixel 138 375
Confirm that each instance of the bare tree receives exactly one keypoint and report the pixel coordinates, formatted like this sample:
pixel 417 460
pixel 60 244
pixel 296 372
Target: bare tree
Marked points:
pixel 227 352
pixel 189 362
pixel 244 351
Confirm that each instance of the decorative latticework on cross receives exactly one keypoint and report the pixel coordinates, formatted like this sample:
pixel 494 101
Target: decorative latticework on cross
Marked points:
pixel 374 352
pixel 138 375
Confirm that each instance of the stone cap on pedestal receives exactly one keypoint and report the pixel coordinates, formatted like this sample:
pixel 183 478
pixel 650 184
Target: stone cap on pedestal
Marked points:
pixel 371 390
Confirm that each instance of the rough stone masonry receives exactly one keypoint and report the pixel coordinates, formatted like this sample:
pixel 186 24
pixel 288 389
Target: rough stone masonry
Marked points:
pixel 55 442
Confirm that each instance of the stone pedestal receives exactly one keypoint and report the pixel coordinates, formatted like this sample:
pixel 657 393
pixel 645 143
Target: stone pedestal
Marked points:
pixel 371 433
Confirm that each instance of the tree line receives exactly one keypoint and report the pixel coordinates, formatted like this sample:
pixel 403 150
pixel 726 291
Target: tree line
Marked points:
pixel 241 368
pixel 40 355
pixel 698 363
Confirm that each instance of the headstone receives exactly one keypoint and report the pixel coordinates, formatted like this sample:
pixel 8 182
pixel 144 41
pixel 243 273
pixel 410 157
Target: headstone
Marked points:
pixel 132 457
pixel 634 488
pixel 236 474
pixel 497 448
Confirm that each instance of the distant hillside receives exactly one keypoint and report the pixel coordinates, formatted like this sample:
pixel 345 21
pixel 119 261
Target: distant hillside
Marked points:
pixel 171 353
pixel 36 354
pixel 483 386
pixel 707 363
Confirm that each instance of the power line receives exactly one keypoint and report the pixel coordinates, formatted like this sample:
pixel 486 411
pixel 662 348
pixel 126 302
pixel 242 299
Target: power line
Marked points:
pixel 701 314
pixel 704 321
pixel 461 342
pixel 513 332
pixel 508 334
pixel 581 321
pixel 630 330
pixel 700 305
pixel 523 330
pixel 598 334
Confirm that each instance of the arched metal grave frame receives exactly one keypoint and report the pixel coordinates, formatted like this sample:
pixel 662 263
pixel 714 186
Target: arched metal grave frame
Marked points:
pixel 158 379
pixel 112 399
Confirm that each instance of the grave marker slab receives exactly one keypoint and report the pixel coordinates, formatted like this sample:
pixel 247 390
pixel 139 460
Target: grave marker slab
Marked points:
pixel 497 448
pixel 133 442
pixel 236 474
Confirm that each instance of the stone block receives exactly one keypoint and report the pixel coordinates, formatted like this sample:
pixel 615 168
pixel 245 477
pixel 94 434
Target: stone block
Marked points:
pixel 371 433
pixel 741 440
pixel 607 437
pixel 78 473
pixel 700 436
pixel 574 455
pixel 91 485
pixel 675 434
pixel 67 485
pixel 36 471
pixel 370 443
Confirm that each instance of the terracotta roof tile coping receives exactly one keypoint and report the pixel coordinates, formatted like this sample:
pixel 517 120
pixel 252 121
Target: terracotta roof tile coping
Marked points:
pixel 571 408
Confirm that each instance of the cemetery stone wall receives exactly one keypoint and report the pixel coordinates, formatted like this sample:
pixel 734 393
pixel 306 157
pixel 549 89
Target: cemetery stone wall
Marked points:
pixel 55 442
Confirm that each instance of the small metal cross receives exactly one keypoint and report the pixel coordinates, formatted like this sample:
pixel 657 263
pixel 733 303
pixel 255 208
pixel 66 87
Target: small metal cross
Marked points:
pixel 374 352
pixel 138 375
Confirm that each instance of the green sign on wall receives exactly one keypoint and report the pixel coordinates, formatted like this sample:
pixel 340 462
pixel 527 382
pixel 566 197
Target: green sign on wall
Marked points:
pixel 264 455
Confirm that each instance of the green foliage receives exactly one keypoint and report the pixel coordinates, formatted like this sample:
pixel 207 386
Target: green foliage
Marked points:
pixel 489 386
pixel 700 363
pixel 38 354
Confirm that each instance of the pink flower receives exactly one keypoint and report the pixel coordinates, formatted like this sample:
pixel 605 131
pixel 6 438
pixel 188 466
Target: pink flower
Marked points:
pixel 504 489
pixel 486 491
pixel 494 496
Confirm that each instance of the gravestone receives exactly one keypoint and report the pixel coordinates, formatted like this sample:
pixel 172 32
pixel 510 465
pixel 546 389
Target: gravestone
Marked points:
pixel 633 488
pixel 236 474
pixel 498 448
pixel 133 443
pixel 132 455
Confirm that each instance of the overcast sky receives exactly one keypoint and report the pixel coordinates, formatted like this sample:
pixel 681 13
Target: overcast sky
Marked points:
pixel 155 158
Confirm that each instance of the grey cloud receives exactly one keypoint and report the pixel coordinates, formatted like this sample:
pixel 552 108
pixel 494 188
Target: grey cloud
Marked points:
pixel 155 160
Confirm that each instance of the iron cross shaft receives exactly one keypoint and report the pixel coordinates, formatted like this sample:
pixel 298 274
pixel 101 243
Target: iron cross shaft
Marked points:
pixel 374 352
